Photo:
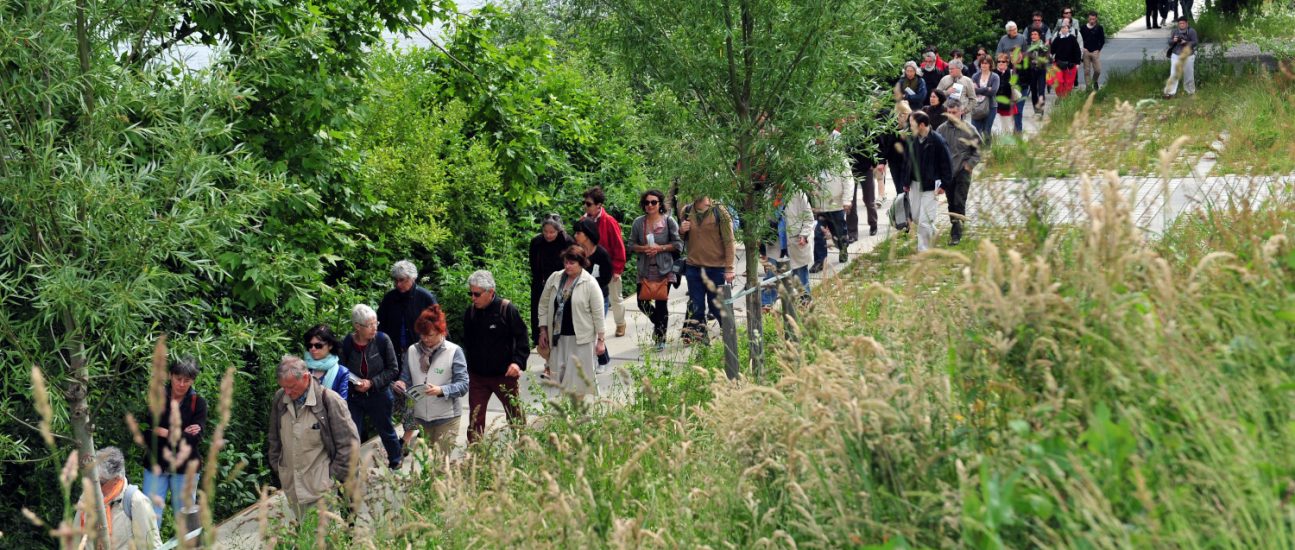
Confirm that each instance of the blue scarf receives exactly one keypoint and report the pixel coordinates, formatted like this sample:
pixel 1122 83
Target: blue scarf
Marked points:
pixel 329 364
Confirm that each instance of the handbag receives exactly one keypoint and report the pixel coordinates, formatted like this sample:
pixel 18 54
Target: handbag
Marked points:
pixel 654 290
pixel 981 110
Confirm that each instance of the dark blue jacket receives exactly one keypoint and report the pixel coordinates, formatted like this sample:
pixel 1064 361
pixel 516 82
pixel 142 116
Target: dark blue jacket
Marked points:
pixel 927 162
pixel 397 313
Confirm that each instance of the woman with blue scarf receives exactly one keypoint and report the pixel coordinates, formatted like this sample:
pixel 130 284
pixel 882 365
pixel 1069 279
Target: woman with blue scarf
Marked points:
pixel 322 361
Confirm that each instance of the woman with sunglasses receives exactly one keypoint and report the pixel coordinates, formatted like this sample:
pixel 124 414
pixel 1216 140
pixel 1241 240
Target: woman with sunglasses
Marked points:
pixel 655 238
pixel 322 361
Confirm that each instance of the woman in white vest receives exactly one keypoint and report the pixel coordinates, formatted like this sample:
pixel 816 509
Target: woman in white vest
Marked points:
pixel 435 377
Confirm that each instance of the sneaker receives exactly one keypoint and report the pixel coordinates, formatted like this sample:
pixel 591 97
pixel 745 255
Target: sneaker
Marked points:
pixel 660 346
pixel 817 267
pixel 844 256
pixel 620 330
pixel 872 232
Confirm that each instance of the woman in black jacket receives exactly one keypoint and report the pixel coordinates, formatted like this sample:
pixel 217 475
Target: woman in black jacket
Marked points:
pixel 1067 56
pixel 545 259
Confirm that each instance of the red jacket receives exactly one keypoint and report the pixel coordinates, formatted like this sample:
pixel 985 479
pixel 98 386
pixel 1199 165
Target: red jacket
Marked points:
pixel 609 237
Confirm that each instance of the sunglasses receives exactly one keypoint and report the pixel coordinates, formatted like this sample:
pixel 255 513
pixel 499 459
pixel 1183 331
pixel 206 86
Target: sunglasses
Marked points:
pixel 316 345
pixel 651 203
pixel 589 203
pixel 476 293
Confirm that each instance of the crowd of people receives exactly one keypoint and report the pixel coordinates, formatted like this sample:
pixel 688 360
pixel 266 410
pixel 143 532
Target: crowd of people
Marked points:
pixel 397 363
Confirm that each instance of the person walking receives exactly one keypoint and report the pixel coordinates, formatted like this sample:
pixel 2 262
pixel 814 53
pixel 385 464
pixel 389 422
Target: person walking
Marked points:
pixel 1093 38
pixel 707 234
pixel 372 359
pixel 957 85
pixel 321 358
pixel 654 236
pixel 545 259
pixel 435 376
pixel 1182 59
pixel 1011 44
pixel 911 87
pixel 1033 71
pixel 864 162
pixel 610 237
pixel 935 108
pixel 496 347
pixel 931 71
pixel 927 171
pixel 797 226
pixel 397 313
pixel 132 523
pixel 174 461
pixel 1067 55
pixel 1152 14
pixel 986 108
pixel 312 436
pixel 600 262
pixel 571 325
pixel 1011 101
pixel 964 151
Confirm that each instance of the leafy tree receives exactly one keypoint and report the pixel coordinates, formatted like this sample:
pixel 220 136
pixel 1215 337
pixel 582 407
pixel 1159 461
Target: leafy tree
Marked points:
pixel 757 79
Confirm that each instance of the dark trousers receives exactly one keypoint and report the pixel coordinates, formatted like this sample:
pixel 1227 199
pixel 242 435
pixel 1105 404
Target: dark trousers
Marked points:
pixel 1165 6
pixel 835 222
pixel 869 202
pixel 375 411
pixel 701 298
pixel 480 388
pixel 660 316
pixel 958 200
pixel 1037 81
pixel 1153 11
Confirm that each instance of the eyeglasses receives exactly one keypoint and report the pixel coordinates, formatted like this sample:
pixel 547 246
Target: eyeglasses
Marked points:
pixel 316 345
pixel 651 203
pixel 476 293
pixel 1065 13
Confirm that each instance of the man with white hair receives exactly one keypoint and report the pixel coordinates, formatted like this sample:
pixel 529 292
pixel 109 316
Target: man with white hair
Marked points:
pixel 397 313
pixel 372 360
pixel 311 436
pixel 957 84
pixel 1012 43
pixel 496 346
pixel 132 523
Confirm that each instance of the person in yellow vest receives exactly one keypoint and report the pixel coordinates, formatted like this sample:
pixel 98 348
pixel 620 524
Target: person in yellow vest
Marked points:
pixel 132 523
pixel 311 436
pixel 435 376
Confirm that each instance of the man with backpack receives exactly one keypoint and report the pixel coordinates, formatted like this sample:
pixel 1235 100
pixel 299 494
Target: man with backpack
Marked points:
pixel 311 436
pixel 708 233
pixel 131 521
pixel 496 345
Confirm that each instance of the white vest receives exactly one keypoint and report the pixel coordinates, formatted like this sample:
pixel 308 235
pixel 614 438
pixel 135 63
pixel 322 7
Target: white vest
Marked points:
pixel 440 373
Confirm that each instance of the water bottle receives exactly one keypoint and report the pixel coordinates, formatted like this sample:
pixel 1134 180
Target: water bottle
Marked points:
pixel 651 239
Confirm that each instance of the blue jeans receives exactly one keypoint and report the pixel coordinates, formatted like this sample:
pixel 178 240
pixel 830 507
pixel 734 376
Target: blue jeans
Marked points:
pixel 769 294
pixel 376 410
pixel 1020 114
pixel 701 298
pixel 986 126
pixel 156 486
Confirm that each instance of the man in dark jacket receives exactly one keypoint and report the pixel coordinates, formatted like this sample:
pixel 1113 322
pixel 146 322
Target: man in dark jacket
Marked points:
pixel 397 314
pixel 496 346
pixel 1092 38
pixel 863 162
pixel 928 168
pixel 964 153
pixel 372 360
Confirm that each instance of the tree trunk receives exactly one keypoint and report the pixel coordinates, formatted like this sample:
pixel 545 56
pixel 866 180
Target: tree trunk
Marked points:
pixel 754 315
pixel 78 391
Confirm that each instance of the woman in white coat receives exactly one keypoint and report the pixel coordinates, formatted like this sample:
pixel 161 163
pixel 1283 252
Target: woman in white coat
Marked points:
pixel 571 325
pixel 798 220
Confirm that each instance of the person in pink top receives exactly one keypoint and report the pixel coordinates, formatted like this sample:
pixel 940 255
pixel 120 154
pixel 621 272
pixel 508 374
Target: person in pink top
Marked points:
pixel 609 237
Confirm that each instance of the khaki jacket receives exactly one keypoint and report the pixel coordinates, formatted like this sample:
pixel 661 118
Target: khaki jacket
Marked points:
pixel 586 303
pixel 800 223
pixel 314 461
pixel 137 532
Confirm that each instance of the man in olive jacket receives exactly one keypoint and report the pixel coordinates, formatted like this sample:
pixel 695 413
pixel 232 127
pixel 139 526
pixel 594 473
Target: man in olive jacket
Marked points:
pixel 964 154
pixel 311 439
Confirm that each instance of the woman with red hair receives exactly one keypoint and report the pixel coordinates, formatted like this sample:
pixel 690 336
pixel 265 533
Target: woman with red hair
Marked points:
pixel 436 376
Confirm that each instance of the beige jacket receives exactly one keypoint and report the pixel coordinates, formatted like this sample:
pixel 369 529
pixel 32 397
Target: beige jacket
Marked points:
pixel 833 186
pixel 586 303
pixel 311 447
pixel 800 223
pixel 137 532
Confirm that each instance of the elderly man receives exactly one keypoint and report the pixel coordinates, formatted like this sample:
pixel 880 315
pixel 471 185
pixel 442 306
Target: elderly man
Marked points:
pixel 1013 43
pixel 397 313
pixel 372 360
pixel 964 153
pixel 311 437
pixel 131 521
pixel 957 85
pixel 927 171
pixel 496 346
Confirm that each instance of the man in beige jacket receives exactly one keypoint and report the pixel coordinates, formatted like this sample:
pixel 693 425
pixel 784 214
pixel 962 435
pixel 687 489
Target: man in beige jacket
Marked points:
pixel 312 437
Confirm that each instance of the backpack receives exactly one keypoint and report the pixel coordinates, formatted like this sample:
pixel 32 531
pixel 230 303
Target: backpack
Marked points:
pixel 900 212
pixel 128 495
pixel 503 309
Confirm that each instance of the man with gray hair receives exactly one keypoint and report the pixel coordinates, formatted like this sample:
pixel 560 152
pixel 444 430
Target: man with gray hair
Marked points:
pixel 312 437
pixel 132 523
pixel 957 85
pixel 397 313
pixel 496 346
pixel 964 154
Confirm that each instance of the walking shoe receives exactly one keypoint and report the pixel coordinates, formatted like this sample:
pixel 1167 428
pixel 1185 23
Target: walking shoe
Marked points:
pixel 818 266
pixel 953 241
pixel 620 330
pixel 844 256
pixel 872 232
